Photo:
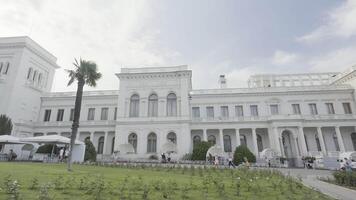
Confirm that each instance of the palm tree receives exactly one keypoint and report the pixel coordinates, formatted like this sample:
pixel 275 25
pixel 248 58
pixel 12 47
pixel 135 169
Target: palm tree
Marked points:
pixel 85 73
pixel 5 125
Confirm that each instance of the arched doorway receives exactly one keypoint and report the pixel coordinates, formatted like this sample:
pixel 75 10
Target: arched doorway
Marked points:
pixel 289 151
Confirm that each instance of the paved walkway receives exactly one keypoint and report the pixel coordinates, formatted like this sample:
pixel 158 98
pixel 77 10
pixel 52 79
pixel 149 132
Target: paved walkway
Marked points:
pixel 309 178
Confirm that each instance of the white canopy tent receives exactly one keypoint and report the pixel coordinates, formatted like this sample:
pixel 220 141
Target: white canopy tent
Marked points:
pixel 215 151
pixel 169 147
pixel 126 149
pixel 9 139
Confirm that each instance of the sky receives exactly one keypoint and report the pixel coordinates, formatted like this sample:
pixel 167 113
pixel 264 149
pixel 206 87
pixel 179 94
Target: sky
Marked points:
pixel 237 38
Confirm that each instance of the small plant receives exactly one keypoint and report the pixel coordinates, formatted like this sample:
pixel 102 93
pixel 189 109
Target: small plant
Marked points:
pixel 14 190
pixel 34 184
pixel 44 192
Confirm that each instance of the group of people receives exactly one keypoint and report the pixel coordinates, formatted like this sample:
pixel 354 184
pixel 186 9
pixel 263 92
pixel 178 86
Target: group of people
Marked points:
pixel 63 154
pixel 347 165
pixel 12 155
pixel 165 159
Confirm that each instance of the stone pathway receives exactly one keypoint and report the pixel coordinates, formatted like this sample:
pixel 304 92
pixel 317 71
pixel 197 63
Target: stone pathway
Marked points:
pixel 309 178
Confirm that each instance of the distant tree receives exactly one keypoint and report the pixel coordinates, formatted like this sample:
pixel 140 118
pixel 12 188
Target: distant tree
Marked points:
pixel 47 148
pixel 241 152
pixel 200 150
pixel 85 73
pixel 5 125
pixel 90 152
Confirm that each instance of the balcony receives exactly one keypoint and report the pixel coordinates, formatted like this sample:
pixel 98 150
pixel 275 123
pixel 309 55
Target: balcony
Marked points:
pixel 81 123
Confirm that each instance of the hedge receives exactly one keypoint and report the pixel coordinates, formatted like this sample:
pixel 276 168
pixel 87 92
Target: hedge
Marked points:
pixel 345 178
pixel 241 152
pixel 200 150
pixel 90 152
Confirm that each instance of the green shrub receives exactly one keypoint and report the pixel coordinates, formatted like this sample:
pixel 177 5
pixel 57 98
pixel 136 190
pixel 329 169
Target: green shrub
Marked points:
pixel 90 152
pixel 153 157
pixel 241 152
pixel 200 149
pixel 345 178
pixel 47 148
pixel 187 156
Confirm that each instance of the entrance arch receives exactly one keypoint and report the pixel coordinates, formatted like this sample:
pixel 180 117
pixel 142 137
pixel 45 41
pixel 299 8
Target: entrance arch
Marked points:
pixel 289 151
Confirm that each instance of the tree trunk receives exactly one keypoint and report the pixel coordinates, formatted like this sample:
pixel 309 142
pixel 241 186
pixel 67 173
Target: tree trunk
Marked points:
pixel 75 125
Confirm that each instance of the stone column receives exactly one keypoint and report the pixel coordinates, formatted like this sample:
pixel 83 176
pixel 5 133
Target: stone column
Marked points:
pixel 304 150
pixel 78 135
pixel 238 142
pixel 277 145
pixel 205 137
pixel 92 137
pixel 221 139
pixel 321 140
pixel 105 143
pixel 254 142
pixel 339 139
pixel 296 145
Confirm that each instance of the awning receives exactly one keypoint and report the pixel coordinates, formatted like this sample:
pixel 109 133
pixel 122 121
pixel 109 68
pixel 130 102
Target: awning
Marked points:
pixel 49 139
pixel 8 139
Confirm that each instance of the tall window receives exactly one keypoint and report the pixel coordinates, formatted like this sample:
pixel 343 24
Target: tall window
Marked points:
pixel 171 105
pixel 133 140
pixel 336 143
pixel 134 105
pixel 152 143
pixel 210 112
pixel 239 111
pixel 196 140
pixel 104 113
pixel 153 105
pixel 101 145
pixel 115 113
pixel 259 143
pixel 313 109
pixel 4 67
pixel 274 109
pixel 330 108
pixel 39 79
pixel 353 138
pixel 172 137
pixel 317 140
pixel 29 73
pixel 47 115
pixel 91 113
pixel 196 112
pixel 1 65
pixel 227 143
pixel 60 113
pixel 34 75
pixel 243 140
pixel 254 110
pixel 224 112
pixel 347 108
pixel 112 144
pixel 296 109
pixel 71 117
pixel 212 139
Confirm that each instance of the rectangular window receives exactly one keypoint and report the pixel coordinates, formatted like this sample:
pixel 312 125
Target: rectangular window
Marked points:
pixel 71 117
pixel 296 109
pixel 224 112
pixel 60 113
pixel 91 113
pixel 210 112
pixel 7 65
pixel 239 111
pixel 47 115
pixel 104 113
pixel 1 64
pixel 115 113
pixel 347 108
pixel 313 109
pixel 330 108
pixel 196 112
pixel 254 110
pixel 274 109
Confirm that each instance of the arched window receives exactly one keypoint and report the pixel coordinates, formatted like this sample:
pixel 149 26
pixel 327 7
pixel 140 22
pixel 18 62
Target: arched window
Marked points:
pixel 212 139
pixel 37 134
pixel 34 75
pixel 152 143
pixel 227 143
pixel 133 140
pixel 317 142
pixel 153 105
pixel 101 145
pixel 336 143
pixel 171 105
pixel 134 105
pixel 353 138
pixel 39 78
pixel 29 73
pixel 112 145
pixel 259 143
pixel 172 137
pixel 196 140
pixel 243 140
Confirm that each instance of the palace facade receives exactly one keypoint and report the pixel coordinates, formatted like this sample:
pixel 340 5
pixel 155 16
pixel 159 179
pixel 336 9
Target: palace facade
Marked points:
pixel 294 114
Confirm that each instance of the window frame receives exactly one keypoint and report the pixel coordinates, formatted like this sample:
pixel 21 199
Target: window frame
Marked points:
pixel 91 117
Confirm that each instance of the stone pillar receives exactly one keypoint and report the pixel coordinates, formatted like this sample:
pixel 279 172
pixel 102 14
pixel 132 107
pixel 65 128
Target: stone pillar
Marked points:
pixel 304 150
pixel 254 142
pixel 77 136
pixel 221 139
pixel 238 142
pixel 296 145
pixel 92 137
pixel 321 140
pixel 339 139
pixel 277 145
pixel 205 137
pixel 105 143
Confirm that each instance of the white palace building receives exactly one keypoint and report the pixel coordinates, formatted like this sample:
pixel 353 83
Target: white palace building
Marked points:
pixel 294 114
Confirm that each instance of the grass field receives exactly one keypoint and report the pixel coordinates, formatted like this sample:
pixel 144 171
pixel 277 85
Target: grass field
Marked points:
pixel 52 181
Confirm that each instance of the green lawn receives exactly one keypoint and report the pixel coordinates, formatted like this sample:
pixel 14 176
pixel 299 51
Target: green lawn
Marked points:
pixel 39 181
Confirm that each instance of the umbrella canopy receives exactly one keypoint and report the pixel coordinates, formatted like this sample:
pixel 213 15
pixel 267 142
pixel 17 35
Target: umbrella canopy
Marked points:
pixel 215 151
pixel 269 153
pixel 27 147
pixel 8 139
pixel 169 147
pixel 126 148
pixel 49 139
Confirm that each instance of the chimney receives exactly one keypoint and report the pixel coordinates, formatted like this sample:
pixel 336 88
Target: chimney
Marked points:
pixel 222 81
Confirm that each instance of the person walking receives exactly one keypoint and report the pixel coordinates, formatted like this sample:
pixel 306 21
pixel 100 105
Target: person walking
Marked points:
pixel 61 154
pixel 231 164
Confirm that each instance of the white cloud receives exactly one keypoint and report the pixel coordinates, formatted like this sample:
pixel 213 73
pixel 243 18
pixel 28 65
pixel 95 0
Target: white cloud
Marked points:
pixel 283 58
pixel 340 23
